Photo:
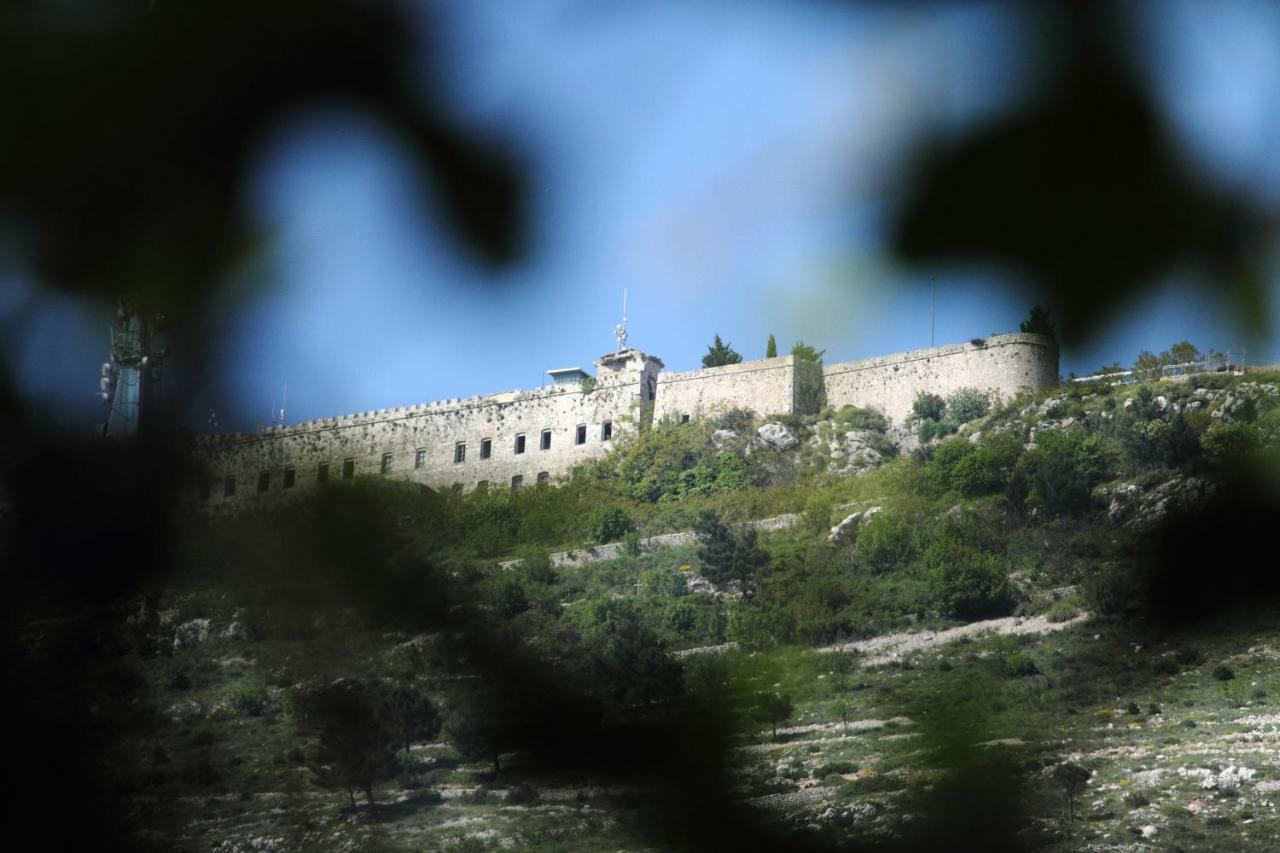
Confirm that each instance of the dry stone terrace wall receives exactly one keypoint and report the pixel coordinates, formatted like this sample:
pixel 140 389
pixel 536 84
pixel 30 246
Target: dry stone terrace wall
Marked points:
pixel 436 429
pixel 1005 365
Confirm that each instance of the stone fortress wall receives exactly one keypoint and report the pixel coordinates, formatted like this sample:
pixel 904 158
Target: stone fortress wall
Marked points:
pixel 1002 365
pixel 769 386
pixel 463 444
pixel 474 443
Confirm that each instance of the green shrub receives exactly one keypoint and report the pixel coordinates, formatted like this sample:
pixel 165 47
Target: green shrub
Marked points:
pixel 853 417
pixel 966 404
pixel 727 554
pixel 928 407
pixel 739 420
pixel 251 699
pixel 966 583
pixel 929 430
pixel 974 469
pixel 1230 443
pixel 1062 610
pixel 886 543
pixel 608 524
pixel 1059 474
pixel 1020 665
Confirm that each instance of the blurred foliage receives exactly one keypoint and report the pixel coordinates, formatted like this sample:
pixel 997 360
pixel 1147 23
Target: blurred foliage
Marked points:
pixel 1083 190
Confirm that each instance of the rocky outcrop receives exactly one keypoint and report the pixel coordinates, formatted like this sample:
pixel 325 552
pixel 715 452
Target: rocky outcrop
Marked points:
pixel 1136 508
pixel 1246 400
pixel 849 524
pixel 777 435
pixel 192 633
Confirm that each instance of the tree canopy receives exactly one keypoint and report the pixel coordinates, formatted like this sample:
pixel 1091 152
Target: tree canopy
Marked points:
pixel 1038 322
pixel 720 353
pixel 804 352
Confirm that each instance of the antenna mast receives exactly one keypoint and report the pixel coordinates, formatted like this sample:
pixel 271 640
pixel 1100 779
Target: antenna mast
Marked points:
pixel 620 331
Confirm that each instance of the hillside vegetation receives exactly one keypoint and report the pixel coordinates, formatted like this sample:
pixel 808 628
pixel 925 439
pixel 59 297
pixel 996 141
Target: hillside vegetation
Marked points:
pixel 359 672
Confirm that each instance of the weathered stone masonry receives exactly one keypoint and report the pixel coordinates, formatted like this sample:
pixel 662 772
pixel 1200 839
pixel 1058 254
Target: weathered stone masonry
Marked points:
pixel 472 443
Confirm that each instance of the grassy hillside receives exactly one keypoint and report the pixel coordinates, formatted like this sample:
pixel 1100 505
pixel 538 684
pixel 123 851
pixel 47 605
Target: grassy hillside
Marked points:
pixel 359 672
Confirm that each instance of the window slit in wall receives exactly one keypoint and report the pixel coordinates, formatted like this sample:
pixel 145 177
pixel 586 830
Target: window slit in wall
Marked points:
pixel 580 434
pixel 229 487
pixel 322 472
pixel 419 458
pixel 459 452
pixel 457 488
pixel 386 463
pixel 516 482
pixel 606 430
pixel 546 439
pixel 290 477
pixel 264 481
pixel 348 469
pixel 486 448
pixel 544 477
pixel 520 444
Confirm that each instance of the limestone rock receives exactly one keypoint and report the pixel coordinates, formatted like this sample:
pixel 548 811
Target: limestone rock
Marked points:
pixel 777 435
pixel 838 533
pixel 1136 509
pixel 192 633
pixel 722 437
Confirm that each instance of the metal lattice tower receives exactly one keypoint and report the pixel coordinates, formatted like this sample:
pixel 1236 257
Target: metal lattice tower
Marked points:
pixel 127 386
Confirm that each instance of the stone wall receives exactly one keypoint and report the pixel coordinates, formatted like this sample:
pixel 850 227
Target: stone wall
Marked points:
pixel 422 441
pixel 419 443
pixel 766 386
pixel 1004 365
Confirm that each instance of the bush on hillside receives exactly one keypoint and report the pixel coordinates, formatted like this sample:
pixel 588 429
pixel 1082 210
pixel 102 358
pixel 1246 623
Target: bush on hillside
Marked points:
pixel 727 554
pixel 965 582
pixel 853 417
pixel 1058 475
pixel 608 524
pixel 966 404
pixel 928 407
pixel 885 544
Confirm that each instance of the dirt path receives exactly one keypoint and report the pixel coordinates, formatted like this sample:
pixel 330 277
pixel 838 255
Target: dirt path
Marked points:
pixel 891 647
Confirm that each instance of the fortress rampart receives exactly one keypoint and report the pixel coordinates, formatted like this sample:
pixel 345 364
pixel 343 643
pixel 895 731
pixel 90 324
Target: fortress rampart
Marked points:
pixel 1002 365
pixel 522 438
pixel 769 386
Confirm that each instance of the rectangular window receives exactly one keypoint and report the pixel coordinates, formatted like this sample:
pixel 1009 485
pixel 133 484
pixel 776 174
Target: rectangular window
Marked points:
pixel 546 439
pixel 486 448
pixel 457 488
pixel 483 487
pixel 580 435
pixel 544 477
pixel 322 472
pixel 684 419
pixel 264 481
pixel 348 469
pixel 290 477
pixel 519 444
pixel 606 430
pixel 459 452
pixel 516 482
pixel 386 463
pixel 419 458
pixel 229 487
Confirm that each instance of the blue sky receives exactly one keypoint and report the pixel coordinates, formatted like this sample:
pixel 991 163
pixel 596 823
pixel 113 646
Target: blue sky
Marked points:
pixel 729 165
